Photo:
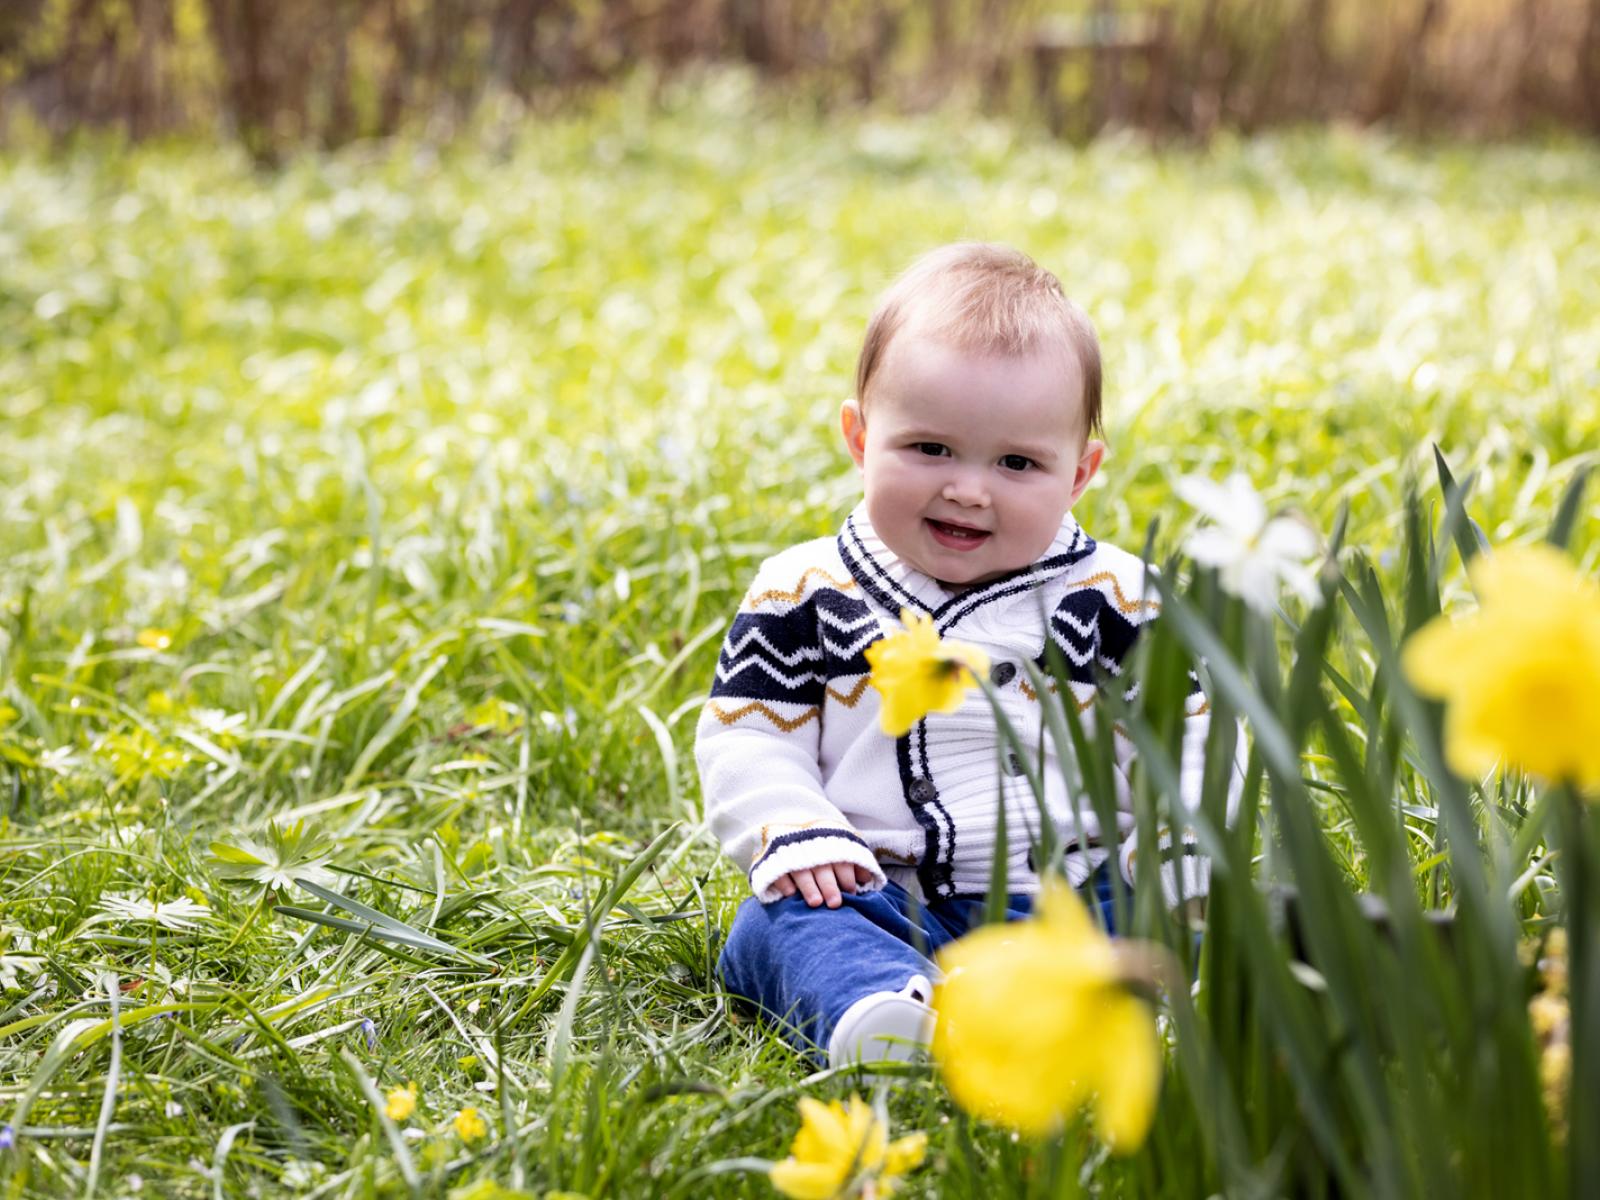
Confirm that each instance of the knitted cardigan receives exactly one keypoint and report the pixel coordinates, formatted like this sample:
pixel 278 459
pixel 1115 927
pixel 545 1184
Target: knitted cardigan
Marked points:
pixel 796 771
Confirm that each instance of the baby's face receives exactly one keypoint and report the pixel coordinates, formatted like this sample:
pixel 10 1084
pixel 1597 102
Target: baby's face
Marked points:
pixel 970 463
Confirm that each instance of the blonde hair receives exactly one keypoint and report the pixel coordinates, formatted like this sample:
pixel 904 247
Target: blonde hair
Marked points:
pixel 983 298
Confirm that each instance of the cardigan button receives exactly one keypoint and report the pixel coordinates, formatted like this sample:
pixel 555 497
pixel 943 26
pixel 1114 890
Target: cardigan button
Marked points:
pixel 922 791
pixel 1002 673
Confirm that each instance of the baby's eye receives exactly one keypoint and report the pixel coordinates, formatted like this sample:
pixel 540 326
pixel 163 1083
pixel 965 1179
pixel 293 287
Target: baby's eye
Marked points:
pixel 1016 462
pixel 932 449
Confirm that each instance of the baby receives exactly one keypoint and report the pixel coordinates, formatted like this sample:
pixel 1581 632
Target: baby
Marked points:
pixel 977 401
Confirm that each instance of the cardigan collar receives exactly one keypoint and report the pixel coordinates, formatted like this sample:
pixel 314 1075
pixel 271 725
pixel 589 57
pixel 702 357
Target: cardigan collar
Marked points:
pixel 896 584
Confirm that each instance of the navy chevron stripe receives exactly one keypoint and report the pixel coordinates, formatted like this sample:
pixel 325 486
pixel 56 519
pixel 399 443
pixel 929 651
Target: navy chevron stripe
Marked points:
pixel 772 656
pixel 804 835
pixel 1075 628
pixel 845 623
pixel 1117 633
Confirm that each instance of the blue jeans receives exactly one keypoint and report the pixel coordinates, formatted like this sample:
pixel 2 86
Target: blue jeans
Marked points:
pixel 803 966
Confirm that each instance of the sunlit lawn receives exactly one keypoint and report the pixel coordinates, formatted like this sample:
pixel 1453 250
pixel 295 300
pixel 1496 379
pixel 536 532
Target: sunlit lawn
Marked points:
pixel 406 493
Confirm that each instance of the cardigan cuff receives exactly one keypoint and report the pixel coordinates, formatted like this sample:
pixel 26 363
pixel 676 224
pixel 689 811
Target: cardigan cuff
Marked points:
pixel 814 847
pixel 1182 864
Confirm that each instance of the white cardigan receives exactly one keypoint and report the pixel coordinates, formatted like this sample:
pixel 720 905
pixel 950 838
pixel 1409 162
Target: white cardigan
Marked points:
pixel 796 771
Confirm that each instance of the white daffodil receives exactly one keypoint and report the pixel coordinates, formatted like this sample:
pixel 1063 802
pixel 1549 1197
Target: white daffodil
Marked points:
pixel 181 914
pixel 1255 556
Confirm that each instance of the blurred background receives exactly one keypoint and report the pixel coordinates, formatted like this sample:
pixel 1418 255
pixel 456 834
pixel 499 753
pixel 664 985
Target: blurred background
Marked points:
pixel 277 74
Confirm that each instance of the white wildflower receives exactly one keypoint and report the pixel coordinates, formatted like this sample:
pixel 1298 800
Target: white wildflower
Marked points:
pixel 300 1175
pixel 219 725
pixel 289 853
pixel 59 759
pixel 182 913
pixel 15 959
pixel 1255 556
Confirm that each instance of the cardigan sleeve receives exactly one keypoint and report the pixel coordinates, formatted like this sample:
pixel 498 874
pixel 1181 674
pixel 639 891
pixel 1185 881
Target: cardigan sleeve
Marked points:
pixel 758 741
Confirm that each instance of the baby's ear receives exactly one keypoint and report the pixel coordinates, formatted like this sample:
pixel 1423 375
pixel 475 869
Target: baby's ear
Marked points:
pixel 853 424
pixel 1094 451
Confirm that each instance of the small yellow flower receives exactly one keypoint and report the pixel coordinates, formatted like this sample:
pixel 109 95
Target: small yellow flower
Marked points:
pixel 1518 676
pixel 154 639
pixel 1547 1014
pixel 843 1149
pixel 159 704
pixel 1033 1021
pixel 469 1125
pixel 401 1102
pixel 136 754
pixel 1555 1068
pixel 1553 964
pixel 916 673
pixel 493 714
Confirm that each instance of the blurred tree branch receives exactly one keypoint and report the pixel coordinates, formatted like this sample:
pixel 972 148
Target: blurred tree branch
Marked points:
pixel 280 73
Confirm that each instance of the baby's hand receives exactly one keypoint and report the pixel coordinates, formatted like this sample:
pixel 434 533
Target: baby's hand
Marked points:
pixel 822 885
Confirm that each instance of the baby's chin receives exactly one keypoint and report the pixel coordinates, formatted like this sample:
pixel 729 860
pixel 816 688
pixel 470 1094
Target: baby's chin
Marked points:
pixel 940 572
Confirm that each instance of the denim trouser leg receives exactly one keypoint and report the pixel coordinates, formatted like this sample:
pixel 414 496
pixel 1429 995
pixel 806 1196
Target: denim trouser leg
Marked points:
pixel 805 966
pixel 1096 892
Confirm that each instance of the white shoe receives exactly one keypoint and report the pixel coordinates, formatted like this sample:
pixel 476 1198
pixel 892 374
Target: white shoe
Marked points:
pixel 884 1027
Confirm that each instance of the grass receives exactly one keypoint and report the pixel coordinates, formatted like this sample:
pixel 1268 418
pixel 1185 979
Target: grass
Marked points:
pixel 405 493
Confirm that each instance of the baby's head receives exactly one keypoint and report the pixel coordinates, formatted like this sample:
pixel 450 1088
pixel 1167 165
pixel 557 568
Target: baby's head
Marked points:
pixel 977 398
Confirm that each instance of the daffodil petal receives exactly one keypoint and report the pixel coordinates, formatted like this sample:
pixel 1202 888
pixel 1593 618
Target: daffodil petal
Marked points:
pixel 905 1154
pixel 1130 1080
pixel 914 673
pixel 1432 657
pixel 824 1131
pixel 1213 547
pixel 1285 537
pixel 804 1180
pixel 1023 1070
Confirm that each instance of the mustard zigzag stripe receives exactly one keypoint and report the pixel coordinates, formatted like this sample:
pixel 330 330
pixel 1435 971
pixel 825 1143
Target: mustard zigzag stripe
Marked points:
pixel 844 585
pixel 1122 601
pixel 1083 705
pixel 786 724
pixel 850 700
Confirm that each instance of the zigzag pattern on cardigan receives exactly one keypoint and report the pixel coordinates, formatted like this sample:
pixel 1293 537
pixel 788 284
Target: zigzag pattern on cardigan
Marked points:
pixel 790 648
pixel 1095 632
pixel 795 655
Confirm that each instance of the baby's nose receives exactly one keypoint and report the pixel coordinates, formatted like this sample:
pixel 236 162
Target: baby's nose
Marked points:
pixel 967 490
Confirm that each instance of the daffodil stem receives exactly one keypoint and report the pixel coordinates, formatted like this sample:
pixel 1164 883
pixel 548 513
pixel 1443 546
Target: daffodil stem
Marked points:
pixel 1580 856
pixel 1048 835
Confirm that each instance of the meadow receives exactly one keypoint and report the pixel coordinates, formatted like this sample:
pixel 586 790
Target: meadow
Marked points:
pixel 375 522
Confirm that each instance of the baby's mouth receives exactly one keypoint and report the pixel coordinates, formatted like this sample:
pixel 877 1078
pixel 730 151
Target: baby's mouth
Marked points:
pixel 957 537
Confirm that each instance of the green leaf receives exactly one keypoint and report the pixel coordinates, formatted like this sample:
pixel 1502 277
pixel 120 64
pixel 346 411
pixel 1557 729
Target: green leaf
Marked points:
pixel 235 856
pixel 1567 514
pixel 1469 538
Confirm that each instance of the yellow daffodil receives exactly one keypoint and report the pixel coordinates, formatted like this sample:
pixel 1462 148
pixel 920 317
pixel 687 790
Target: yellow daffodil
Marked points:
pixel 1034 1020
pixel 401 1102
pixel 843 1149
pixel 1518 676
pixel 469 1125
pixel 916 673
